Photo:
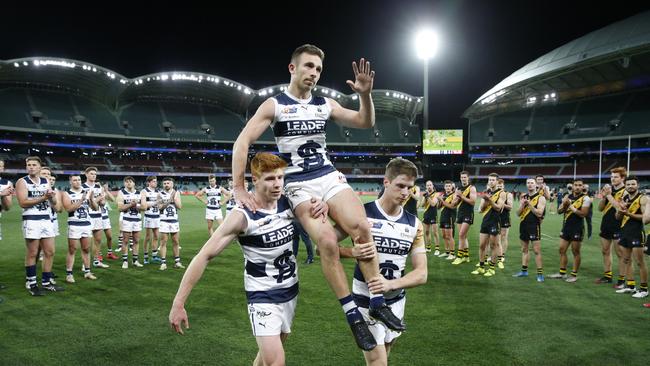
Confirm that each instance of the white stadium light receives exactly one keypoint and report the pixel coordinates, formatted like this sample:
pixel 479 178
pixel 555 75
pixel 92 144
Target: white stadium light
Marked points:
pixel 426 44
pixel 270 90
pixel 16 64
pixel 25 63
pixel 387 94
pixel 552 95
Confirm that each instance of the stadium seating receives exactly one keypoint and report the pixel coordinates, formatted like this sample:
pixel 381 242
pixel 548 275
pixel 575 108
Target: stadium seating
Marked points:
pixel 617 115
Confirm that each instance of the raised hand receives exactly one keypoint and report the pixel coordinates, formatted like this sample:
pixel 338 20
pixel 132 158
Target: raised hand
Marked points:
pixel 363 77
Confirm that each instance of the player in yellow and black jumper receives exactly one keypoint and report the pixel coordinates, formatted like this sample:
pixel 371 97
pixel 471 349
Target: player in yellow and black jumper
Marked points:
pixel 610 227
pixel 531 210
pixel 491 208
pixel 448 203
pixel 466 196
pixel 575 208
pixel 633 237
pixel 430 219
pixel 504 221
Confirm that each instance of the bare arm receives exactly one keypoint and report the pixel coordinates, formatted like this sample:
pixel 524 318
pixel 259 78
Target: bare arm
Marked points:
pixel 582 211
pixel 508 203
pixel 143 200
pixel 471 200
pixel 24 201
pixel 107 195
pixel 498 205
pixel 92 202
pixel 199 196
pixel 253 130
pixel 640 216
pixel 177 200
pixel 5 197
pixel 68 205
pixel 541 205
pixel 120 203
pixel 646 212
pixel 234 224
pixel 417 276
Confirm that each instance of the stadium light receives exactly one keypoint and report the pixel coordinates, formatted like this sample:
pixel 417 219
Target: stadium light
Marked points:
pixel 426 46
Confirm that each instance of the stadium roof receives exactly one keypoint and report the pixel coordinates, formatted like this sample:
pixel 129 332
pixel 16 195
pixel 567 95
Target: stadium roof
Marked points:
pixel 607 60
pixel 114 90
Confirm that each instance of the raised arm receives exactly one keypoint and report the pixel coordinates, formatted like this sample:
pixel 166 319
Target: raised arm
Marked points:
pixel 199 196
pixel 362 85
pixel 253 130
pixel 234 224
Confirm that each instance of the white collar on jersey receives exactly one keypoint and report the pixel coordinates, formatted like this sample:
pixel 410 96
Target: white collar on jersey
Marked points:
pixel 301 101
pixel 391 218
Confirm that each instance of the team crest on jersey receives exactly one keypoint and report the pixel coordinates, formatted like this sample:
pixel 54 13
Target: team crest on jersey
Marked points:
pixel 289 110
pixel 377 225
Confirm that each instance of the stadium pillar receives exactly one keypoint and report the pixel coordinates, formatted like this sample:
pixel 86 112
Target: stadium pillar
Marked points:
pixel 425 124
pixel 575 165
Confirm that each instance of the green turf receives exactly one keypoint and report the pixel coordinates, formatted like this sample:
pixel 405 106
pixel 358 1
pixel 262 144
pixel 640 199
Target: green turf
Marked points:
pixel 455 319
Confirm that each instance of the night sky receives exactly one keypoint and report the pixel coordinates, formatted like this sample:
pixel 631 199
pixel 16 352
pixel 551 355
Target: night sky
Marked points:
pixel 482 41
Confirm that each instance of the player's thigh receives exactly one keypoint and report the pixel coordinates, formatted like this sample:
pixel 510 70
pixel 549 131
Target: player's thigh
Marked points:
pixel 316 228
pixel 347 210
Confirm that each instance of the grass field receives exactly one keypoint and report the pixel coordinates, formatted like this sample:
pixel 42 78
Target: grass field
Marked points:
pixel 455 319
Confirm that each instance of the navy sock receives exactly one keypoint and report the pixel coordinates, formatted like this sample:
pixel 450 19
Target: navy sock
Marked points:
pixel 350 309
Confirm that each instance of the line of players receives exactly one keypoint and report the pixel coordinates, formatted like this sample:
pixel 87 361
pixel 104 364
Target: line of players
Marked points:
pixel 625 212
pixel 87 207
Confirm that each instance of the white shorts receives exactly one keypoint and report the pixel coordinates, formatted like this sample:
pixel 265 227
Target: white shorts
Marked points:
pixel 55 227
pixel 381 332
pixel 38 229
pixel 106 223
pixel 130 226
pixel 323 188
pixel 151 223
pixel 78 231
pixel 169 227
pixel 97 222
pixel 272 319
pixel 213 214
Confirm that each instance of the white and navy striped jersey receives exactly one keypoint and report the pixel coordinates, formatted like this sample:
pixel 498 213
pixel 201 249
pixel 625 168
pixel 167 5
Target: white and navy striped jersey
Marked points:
pixel 133 214
pixel 151 196
pixel 43 210
pixel 299 129
pixel 79 216
pixel 97 191
pixel 395 237
pixel 170 212
pixel 213 195
pixel 271 274
pixel 231 202
pixel 104 209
